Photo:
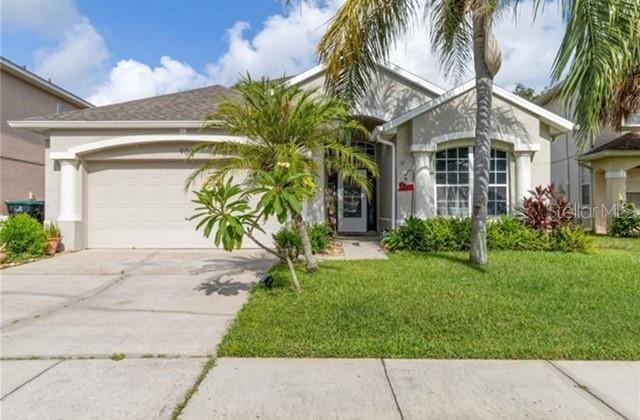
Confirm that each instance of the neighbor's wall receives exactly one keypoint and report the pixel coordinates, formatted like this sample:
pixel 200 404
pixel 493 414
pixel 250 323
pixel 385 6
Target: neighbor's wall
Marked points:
pixel 565 168
pixel 22 152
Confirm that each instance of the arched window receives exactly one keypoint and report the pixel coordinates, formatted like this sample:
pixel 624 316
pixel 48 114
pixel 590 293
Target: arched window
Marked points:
pixel 454 182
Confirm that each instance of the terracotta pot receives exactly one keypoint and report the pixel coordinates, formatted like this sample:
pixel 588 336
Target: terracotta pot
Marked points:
pixel 3 257
pixel 52 246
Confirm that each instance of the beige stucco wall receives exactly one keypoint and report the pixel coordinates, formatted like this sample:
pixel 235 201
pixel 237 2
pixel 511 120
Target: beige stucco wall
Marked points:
pixel 22 156
pixel 387 97
pixel 509 123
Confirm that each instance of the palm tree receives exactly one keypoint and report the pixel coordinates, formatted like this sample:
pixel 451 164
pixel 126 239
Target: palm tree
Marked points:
pixel 597 52
pixel 284 124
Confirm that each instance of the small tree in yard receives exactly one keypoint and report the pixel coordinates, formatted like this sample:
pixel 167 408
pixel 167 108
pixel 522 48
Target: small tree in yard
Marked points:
pixel 225 210
pixel 283 124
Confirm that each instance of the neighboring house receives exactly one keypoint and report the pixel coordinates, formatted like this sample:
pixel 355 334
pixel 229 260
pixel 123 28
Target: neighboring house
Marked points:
pixel 116 174
pixel 598 176
pixel 24 94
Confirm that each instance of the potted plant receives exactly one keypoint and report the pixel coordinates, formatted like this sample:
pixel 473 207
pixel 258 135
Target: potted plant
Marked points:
pixel 53 237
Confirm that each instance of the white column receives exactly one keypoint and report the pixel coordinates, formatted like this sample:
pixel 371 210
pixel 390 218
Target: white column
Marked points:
pixel 423 193
pixel 68 191
pixel 523 175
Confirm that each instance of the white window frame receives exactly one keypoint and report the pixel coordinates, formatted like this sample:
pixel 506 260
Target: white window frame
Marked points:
pixel 471 181
pixel 505 185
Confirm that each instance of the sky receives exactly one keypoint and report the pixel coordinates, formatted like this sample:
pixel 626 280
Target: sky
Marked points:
pixel 110 51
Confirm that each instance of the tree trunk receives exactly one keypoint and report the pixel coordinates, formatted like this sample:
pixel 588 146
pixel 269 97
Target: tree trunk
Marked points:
pixel 283 257
pixel 293 275
pixel 484 93
pixel 312 262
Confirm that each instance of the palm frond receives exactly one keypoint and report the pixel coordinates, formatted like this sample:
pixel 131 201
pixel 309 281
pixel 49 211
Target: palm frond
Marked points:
pixel 359 36
pixel 451 35
pixel 599 51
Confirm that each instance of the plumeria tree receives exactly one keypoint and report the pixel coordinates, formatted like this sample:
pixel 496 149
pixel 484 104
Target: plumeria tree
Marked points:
pixel 598 58
pixel 225 210
pixel 281 124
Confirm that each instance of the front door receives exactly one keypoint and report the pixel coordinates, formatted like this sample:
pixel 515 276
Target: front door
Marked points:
pixel 352 206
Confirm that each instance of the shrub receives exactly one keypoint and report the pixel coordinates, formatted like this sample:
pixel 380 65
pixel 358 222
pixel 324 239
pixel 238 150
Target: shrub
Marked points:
pixel 435 234
pixel 320 235
pixel 23 237
pixel 546 210
pixel 288 241
pixel 394 241
pixel 447 234
pixel 626 223
pixel 511 233
pixel 569 239
pixel 506 233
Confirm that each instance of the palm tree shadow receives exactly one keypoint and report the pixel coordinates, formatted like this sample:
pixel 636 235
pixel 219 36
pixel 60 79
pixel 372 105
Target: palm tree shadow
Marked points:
pixel 227 287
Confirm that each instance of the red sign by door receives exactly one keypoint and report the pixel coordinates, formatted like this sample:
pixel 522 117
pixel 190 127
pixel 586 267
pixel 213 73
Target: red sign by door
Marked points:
pixel 405 186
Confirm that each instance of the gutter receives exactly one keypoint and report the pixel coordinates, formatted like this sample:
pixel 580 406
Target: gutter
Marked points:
pixel 376 136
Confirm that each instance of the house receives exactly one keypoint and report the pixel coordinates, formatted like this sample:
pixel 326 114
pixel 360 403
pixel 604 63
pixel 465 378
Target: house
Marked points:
pixel 24 94
pixel 116 173
pixel 598 176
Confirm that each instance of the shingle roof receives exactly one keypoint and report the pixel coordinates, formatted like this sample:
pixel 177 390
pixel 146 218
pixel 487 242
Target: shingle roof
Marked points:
pixel 190 105
pixel 629 141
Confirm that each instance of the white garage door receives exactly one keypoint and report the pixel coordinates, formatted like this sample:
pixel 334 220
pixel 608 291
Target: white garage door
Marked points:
pixel 142 205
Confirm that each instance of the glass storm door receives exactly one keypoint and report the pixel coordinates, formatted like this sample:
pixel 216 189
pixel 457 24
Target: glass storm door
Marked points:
pixel 352 207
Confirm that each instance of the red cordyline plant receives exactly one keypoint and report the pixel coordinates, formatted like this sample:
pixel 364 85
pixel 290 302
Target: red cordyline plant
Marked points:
pixel 546 210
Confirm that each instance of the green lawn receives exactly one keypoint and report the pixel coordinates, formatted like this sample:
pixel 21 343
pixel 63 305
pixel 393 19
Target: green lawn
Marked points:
pixel 524 305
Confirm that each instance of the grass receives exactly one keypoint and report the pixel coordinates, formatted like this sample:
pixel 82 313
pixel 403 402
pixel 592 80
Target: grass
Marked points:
pixel 524 305
pixel 177 411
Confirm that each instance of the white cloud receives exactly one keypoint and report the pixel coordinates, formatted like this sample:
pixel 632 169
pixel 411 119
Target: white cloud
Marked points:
pixel 285 44
pixel 44 17
pixel 131 79
pixel 77 61
pixel 529 48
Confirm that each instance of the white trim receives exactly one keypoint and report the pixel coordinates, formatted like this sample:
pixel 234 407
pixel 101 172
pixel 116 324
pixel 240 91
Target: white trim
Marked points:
pixel 618 173
pixel 413 78
pixel 44 84
pixel 545 115
pixel 113 124
pixel 518 145
pixel 422 148
pixel 632 123
pixel 390 67
pixel 608 153
pixel 75 152
pixel 562 125
pixel 69 191
pixel 306 75
pixel 376 136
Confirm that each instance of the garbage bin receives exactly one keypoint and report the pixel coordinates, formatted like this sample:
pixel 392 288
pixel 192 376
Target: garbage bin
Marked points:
pixel 34 208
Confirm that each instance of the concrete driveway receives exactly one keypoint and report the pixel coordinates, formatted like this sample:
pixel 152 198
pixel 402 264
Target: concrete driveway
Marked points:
pixel 64 318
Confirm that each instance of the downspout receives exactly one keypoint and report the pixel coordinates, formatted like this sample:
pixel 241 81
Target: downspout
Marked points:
pixel 377 138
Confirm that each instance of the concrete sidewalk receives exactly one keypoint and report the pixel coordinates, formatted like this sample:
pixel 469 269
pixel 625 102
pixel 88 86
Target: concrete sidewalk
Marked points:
pixel 416 389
